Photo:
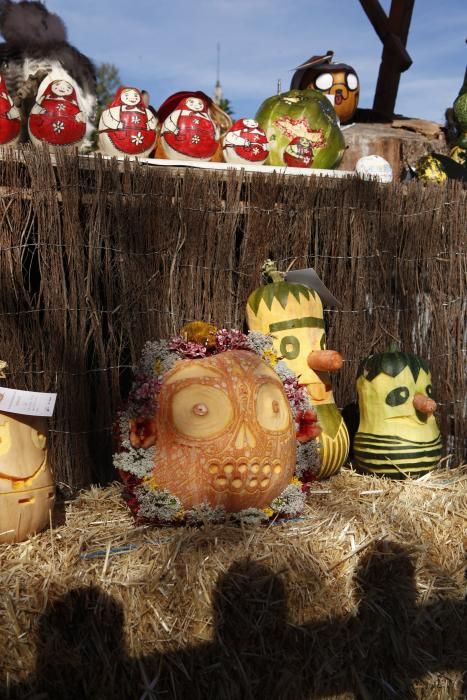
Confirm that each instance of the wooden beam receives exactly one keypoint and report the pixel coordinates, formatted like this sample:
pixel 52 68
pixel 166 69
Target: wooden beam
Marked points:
pixel 393 32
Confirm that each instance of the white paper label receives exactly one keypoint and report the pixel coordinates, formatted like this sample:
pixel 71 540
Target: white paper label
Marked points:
pixel 27 403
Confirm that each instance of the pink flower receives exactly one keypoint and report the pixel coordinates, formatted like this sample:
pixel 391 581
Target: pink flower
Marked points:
pixel 231 340
pixel 186 348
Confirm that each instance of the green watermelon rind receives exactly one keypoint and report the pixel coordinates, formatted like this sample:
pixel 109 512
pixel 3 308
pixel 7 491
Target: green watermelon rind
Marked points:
pixel 320 114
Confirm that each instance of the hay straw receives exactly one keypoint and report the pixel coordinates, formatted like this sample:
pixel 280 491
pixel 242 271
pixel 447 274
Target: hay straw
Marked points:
pixel 328 605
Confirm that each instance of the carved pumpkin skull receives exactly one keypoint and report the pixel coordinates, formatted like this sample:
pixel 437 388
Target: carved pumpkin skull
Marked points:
pixel 225 432
pixel 26 483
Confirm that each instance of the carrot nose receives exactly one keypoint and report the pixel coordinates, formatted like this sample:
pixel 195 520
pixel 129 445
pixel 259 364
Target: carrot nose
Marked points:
pixel 424 404
pixel 325 360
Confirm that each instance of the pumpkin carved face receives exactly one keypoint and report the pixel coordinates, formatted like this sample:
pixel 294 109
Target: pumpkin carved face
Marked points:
pixel 293 315
pixel 397 433
pixel 225 433
pixel 26 483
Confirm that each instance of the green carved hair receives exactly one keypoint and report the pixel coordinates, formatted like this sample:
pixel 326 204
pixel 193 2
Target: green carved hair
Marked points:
pixel 275 287
pixel 391 362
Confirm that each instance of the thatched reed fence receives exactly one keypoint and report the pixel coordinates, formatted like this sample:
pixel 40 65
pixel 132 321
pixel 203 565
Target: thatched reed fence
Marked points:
pixel 96 257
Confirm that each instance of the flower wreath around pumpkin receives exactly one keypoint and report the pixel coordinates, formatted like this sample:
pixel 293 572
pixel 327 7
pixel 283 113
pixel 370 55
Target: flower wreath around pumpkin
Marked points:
pixel 135 456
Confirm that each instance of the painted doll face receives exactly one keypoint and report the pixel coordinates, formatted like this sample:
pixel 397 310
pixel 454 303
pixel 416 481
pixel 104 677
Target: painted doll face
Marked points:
pixel 225 431
pixel 62 88
pixel 195 104
pixel 250 123
pixel 130 97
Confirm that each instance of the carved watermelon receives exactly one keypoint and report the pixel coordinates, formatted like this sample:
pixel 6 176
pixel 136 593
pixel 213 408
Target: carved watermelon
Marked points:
pixel 302 129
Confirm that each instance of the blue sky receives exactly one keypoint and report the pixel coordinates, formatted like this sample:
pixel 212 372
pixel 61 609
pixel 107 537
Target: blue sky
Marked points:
pixel 170 45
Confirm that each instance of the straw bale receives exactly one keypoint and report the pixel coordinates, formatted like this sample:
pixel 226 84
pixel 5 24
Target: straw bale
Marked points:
pixel 362 597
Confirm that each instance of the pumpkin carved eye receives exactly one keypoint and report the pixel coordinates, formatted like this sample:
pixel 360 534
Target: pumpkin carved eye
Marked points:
pixel 398 396
pixel 324 81
pixel 429 390
pixel 272 410
pixel 201 411
pixel 290 347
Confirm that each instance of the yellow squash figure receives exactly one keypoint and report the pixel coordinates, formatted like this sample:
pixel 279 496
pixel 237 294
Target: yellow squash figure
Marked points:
pixel 397 435
pixel 293 314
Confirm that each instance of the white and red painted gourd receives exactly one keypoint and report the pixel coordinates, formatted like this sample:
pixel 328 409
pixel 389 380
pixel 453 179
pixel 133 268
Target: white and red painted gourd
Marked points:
pixel 27 491
pixel 245 143
pixel 127 127
pixel 188 130
pixel 57 118
pixel 10 120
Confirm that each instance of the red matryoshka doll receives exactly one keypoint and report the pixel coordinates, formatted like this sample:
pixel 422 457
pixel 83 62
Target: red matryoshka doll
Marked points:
pixel 334 79
pixel 127 127
pixel 188 131
pixel 10 120
pixel 299 152
pixel 245 142
pixel 57 118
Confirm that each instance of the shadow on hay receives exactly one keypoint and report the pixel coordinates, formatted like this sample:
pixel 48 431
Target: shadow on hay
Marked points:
pixel 256 653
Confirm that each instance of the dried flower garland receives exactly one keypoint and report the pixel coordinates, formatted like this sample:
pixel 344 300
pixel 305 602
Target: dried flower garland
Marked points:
pixel 136 455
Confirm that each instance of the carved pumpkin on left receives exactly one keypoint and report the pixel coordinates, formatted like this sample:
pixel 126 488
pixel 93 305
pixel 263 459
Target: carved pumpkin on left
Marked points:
pixel 27 491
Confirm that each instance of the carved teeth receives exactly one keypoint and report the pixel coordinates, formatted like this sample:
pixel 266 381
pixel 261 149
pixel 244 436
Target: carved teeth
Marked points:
pixel 236 476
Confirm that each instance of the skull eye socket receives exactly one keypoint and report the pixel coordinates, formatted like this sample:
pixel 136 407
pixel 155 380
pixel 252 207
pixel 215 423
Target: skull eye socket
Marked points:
pixel 272 408
pixel 324 81
pixel 201 411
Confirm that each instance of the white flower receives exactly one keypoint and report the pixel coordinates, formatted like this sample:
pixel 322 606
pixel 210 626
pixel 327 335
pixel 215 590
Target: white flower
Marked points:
pixel 195 139
pixel 255 150
pixel 204 512
pixel 58 127
pixel 137 138
pixel 157 505
pixel 290 502
pixel 138 461
pixel 135 119
pixel 61 107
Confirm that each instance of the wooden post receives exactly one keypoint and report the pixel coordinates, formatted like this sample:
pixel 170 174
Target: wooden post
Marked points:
pixel 393 32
